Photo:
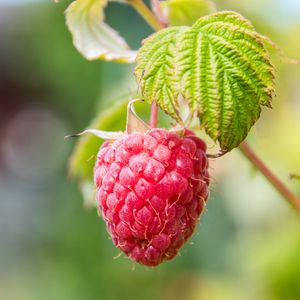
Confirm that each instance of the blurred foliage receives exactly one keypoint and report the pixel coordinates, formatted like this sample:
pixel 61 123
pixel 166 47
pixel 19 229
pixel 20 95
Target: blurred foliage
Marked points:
pixel 92 37
pixel 51 248
pixel 186 12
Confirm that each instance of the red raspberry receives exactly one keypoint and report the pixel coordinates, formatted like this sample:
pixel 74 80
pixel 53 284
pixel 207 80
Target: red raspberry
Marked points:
pixel 151 190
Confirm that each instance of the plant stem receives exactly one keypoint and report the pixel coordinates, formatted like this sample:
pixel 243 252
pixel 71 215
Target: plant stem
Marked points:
pixel 153 118
pixel 146 13
pixel 270 176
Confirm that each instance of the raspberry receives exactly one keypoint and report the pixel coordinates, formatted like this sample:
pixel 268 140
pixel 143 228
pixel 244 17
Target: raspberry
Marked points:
pixel 151 190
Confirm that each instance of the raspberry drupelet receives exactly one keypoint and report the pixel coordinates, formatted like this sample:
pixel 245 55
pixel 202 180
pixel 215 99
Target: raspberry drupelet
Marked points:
pixel 151 190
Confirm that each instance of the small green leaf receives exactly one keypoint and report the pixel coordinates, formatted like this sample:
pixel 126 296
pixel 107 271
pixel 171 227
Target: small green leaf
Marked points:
pixel 219 66
pixel 186 12
pixel 93 38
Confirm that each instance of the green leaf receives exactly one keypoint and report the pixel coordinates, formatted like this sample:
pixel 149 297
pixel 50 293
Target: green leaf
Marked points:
pixel 93 38
pixel 186 12
pixel 219 66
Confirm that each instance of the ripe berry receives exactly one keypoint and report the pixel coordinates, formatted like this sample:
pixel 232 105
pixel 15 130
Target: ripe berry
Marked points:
pixel 151 190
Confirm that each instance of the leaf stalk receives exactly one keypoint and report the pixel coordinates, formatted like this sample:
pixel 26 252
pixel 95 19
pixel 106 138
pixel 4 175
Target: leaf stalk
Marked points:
pixel 153 117
pixel 146 13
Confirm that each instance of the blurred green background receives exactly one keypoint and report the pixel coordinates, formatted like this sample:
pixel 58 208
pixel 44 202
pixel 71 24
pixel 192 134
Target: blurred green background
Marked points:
pixel 248 241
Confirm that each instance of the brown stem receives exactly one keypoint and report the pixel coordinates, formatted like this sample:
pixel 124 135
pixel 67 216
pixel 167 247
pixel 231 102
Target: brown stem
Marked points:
pixel 153 117
pixel 147 14
pixel 270 176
